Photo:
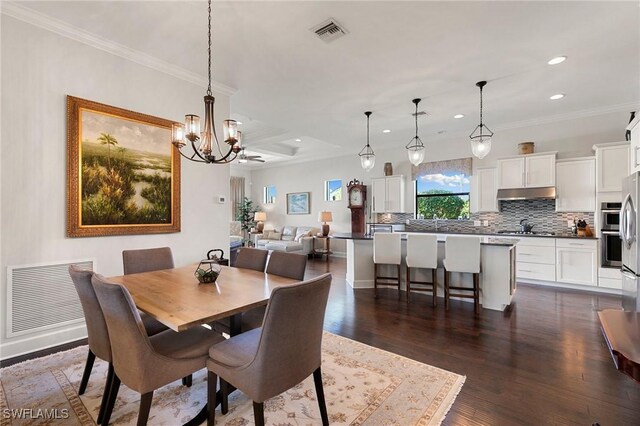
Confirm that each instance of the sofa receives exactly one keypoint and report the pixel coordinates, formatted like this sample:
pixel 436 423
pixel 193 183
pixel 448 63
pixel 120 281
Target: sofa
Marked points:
pixel 297 239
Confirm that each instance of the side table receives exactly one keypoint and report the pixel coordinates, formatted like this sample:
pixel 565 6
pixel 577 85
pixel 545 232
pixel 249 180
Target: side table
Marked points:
pixel 254 238
pixel 326 249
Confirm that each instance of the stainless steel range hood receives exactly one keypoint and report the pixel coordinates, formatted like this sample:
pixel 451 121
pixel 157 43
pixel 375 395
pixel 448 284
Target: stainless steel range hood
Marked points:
pixel 548 193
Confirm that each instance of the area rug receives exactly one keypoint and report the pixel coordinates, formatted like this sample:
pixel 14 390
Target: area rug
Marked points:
pixel 363 386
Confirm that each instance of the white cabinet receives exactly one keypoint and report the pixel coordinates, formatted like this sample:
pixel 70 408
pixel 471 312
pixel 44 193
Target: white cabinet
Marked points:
pixel 577 261
pixel 527 171
pixel 484 189
pixel 511 173
pixel 612 165
pixel 388 194
pixel 634 154
pixel 536 259
pixel 540 170
pixel 576 185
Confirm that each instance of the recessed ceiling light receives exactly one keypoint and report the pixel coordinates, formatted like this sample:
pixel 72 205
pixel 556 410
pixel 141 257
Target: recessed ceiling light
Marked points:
pixel 458 116
pixel 239 122
pixel 557 96
pixel 557 60
pixel 298 140
pixel 386 131
pixel 442 132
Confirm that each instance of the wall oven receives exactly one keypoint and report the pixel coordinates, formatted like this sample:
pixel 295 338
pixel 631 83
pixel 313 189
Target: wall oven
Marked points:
pixel 611 246
pixel 610 216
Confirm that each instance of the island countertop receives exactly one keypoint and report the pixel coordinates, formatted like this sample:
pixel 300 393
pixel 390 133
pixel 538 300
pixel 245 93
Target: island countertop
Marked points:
pixel 480 233
pixel 484 239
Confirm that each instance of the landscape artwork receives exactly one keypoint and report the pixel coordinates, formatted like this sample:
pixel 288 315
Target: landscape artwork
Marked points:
pixel 298 203
pixel 123 172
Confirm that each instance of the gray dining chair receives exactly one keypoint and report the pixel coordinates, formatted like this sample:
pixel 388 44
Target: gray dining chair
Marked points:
pixel 267 361
pixel 98 336
pixel 289 265
pixel 147 260
pixel 145 363
pixel 251 258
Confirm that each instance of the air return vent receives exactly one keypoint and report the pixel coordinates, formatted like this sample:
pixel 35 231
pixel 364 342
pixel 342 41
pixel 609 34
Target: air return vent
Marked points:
pixel 42 297
pixel 329 30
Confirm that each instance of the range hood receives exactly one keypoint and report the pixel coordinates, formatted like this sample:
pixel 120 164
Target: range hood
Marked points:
pixel 548 193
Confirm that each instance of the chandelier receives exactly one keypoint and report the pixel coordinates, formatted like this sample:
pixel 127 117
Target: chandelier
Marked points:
pixel 205 147
pixel 415 147
pixel 481 136
pixel 367 156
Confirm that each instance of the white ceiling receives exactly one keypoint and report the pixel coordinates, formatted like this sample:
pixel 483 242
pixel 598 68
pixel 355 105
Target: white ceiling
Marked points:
pixel 292 85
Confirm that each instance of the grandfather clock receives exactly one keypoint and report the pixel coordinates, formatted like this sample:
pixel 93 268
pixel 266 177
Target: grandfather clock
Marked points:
pixel 357 202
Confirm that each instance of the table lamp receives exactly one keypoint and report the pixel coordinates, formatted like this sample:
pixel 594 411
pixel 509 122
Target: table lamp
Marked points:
pixel 325 217
pixel 260 217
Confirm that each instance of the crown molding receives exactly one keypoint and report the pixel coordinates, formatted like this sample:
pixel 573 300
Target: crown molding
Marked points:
pixel 592 112
pixel 59 27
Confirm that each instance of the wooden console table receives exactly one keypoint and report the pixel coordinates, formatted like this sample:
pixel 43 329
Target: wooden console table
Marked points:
pixel 621 331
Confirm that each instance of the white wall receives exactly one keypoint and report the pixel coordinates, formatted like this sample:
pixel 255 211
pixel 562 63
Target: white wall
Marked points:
pixel 39 69
pixel 572 138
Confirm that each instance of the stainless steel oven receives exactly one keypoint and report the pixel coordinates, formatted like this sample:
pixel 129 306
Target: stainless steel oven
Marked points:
pixel 610 216
pixel 611 247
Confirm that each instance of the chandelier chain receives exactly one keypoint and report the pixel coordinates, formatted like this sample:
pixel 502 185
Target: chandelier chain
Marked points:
pixel 367 129
pixel 209 52
pixel 480 109
pixel 416 115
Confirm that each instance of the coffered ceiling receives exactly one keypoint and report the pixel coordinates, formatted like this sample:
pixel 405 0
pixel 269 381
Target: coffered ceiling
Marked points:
pixel 292 85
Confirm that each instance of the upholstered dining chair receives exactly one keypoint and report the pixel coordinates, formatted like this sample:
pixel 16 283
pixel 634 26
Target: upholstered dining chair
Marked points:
pixel 251 258
pixel 387 250
pixel 98 336
pixel 267 361
pixel 290 265
pixel 145 363
pixel 462 254
pixel 146 260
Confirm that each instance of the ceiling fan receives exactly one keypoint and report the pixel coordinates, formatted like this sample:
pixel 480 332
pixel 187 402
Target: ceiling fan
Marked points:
pixel 243 158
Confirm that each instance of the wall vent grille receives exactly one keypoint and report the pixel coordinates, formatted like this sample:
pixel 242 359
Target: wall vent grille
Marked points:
pixel 329 30
pixel 41 297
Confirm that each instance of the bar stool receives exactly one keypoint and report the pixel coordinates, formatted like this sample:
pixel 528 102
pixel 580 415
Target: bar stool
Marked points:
pixel 387 249
pixel 422 252
pixel 462 254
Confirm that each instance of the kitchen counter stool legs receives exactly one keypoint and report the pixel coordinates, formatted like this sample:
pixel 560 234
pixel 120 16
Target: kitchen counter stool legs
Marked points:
pixel 387 250
pixel 462 254
pixel 422 252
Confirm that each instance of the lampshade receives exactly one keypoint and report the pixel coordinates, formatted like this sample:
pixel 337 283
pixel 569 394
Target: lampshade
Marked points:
pixel 480 147
pixel 260 216
pixel 325 217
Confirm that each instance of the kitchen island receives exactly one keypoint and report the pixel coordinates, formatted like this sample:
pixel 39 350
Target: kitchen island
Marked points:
pixel 497 277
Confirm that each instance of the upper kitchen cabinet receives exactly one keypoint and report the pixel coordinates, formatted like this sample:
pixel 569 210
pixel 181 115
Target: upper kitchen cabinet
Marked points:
pixel 576 185
pixel 388 194
pixel 484 188
pixel 527 171
pixel 612 165
pixel 634 157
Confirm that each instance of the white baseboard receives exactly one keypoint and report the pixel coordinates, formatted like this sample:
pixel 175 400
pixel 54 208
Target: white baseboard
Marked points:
pixel 360 283
pixel 594 289
pixel 20 346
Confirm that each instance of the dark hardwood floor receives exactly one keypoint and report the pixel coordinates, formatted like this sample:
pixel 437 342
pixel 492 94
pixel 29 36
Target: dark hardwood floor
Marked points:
pixel 543 363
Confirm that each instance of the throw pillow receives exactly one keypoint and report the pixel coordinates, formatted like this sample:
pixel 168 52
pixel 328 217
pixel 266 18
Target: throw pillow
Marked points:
pixel 288 233
pixel 302 232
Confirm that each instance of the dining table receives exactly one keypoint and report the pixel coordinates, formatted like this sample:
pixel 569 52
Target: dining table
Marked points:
pixel 176 298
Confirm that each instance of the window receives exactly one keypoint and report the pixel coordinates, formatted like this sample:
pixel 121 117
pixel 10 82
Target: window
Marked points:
pixel 442 195
pixel 269 195
pixel 333 190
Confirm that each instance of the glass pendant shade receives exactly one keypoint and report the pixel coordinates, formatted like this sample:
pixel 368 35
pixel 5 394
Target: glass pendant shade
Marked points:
pixel 416 154
pixel 230 128
pixel 367 161
pixel 177 134
pixel 367 156
pixel 481 146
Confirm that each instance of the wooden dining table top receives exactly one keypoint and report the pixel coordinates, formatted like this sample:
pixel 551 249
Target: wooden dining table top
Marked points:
pixel 176 298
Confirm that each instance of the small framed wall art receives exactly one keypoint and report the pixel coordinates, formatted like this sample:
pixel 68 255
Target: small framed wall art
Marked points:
pixel 298 203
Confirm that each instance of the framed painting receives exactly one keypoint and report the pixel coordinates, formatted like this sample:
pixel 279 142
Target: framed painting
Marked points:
pixel 123 173
pixel 298 203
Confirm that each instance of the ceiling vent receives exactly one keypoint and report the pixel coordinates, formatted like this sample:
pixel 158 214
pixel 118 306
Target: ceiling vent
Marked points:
pixel 329 30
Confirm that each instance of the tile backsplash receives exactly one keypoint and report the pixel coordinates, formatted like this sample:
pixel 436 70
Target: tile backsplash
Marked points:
pixel 541 213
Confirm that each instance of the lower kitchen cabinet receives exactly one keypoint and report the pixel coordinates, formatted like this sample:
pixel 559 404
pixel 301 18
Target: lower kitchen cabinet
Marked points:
pixel 577 261
pixel 536 259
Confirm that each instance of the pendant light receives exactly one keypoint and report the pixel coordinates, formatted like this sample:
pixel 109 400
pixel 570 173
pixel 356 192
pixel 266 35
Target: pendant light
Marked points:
pixel 367 157
pixel 481 136
pixel 189 132
pixel 415 147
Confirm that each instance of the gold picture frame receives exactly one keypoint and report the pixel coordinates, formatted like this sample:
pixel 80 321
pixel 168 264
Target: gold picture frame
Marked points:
pixel 123 173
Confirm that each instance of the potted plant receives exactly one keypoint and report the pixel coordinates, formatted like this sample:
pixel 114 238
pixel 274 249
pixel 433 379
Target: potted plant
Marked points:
pixel 245 214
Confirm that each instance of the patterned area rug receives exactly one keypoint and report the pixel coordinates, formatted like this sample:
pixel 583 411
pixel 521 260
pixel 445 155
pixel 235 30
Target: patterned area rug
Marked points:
pixel 363 386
